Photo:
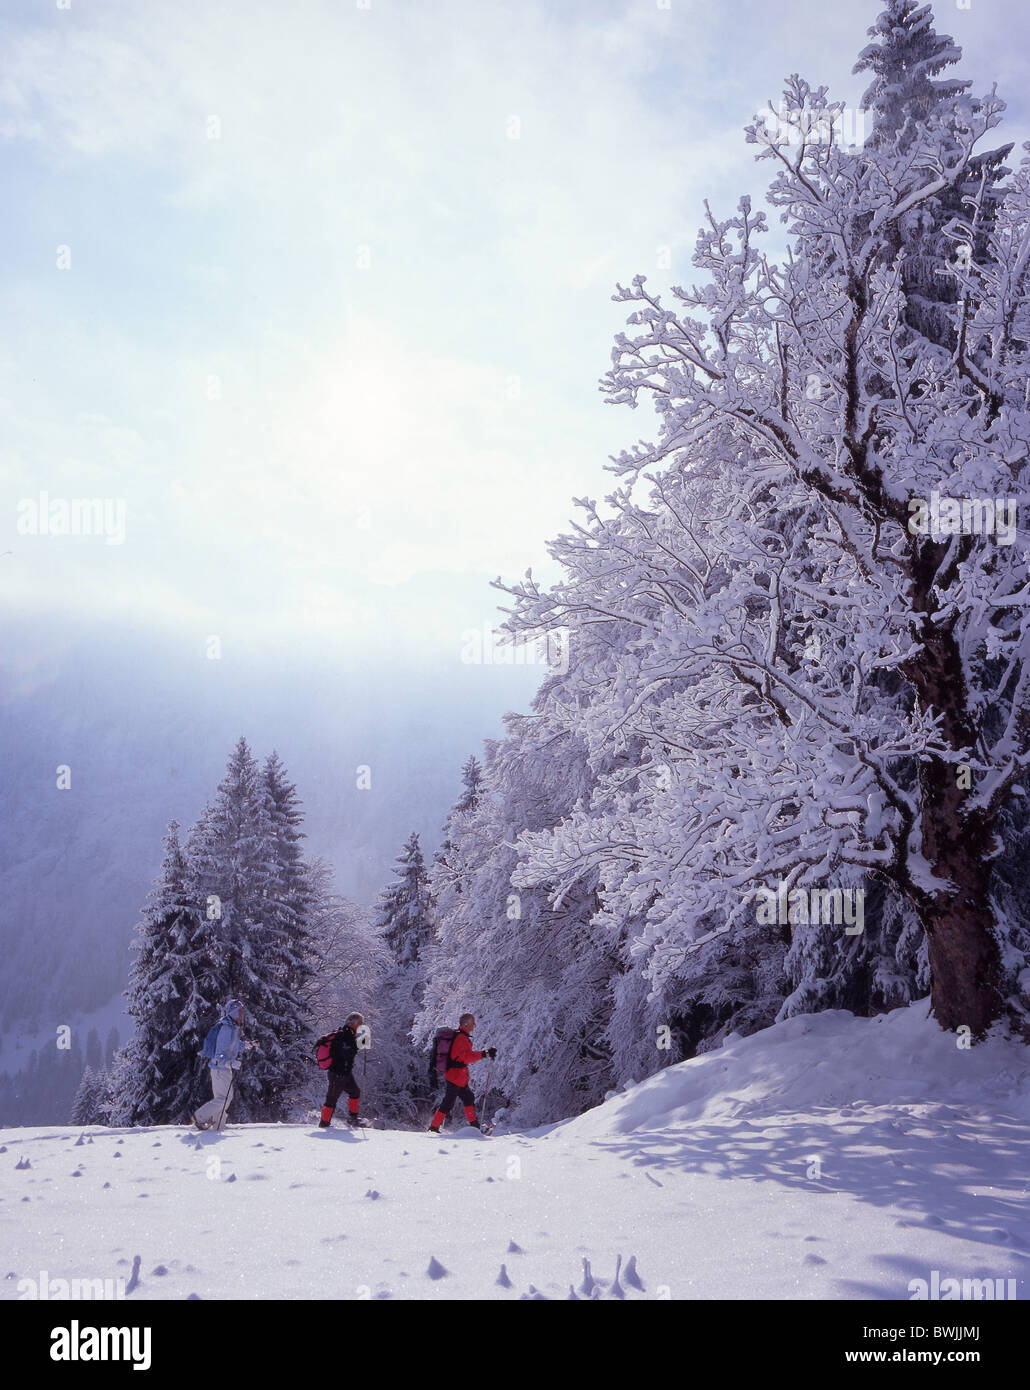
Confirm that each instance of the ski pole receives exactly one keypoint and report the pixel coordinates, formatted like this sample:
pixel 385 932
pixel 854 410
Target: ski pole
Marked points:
pixel 486 1088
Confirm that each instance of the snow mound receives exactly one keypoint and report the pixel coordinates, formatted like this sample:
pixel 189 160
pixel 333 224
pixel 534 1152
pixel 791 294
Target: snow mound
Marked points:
pixel 829 1061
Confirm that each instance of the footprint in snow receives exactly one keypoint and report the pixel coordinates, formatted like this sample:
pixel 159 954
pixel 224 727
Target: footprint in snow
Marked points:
pixel 814 1260
pixel 503 1279
pixel 630 1274
pixel 373 1194
pixel 23 1163
pixel 514 1249
pixel 436 1269
pixel 159 1270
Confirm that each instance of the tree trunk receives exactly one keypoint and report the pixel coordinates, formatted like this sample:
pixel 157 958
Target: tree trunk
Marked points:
pixel 965 957
pixel 965 960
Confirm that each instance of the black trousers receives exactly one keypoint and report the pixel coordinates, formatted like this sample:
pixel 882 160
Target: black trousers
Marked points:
pixel 338 1083
pixel 453 1093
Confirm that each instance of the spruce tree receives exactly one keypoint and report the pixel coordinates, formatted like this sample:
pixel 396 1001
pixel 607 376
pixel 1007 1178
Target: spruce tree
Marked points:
pixel 169 986
pixel 86 1104
pixel 403 922
pixel 402 909
pixel 922 117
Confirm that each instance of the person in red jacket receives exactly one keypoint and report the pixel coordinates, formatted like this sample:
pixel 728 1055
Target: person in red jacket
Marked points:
pixel 457 1074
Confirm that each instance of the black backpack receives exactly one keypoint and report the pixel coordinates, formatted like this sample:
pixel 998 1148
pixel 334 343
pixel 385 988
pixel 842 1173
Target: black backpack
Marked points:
pixel 440 1052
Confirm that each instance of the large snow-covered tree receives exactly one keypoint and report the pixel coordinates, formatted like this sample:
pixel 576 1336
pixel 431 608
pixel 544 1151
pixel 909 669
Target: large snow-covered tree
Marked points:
pixel 229 917
pixel 827 676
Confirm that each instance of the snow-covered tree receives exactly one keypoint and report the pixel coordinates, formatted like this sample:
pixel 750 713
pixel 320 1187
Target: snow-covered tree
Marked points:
pixel 907 98
pixel 250 874
pixel 403 922
pixel 348 958
pixel 229 917
pixel 87 1108
pixel 538 977
pixel 171 984
pixel 402 909
pixel 827 675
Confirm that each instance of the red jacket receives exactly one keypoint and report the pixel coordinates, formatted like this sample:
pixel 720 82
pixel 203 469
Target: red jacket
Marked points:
pixel 461 1055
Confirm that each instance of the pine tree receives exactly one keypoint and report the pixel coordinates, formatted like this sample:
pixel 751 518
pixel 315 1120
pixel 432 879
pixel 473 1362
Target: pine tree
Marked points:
pixel 229 918
pixel 921 117
pixel 248 869
pixel 86 1106
pixel 170 984
pixel 403 923
pixel 281 950
pixel 402 909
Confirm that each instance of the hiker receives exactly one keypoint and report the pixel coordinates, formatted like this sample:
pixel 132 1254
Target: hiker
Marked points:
pixel 343 1049
pixel 222 1048
pixel 457 1074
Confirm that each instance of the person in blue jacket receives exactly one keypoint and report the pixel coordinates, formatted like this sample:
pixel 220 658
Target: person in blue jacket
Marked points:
pixel 222 1048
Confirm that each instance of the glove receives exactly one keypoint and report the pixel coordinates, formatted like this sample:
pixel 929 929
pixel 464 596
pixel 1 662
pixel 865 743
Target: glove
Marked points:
pixel 491 1052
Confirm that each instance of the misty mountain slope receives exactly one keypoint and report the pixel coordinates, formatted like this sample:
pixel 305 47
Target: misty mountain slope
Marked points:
pixel 826 1157
pixel 145 725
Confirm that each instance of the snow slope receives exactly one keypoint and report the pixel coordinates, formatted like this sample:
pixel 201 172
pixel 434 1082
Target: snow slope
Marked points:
pixel 826 1157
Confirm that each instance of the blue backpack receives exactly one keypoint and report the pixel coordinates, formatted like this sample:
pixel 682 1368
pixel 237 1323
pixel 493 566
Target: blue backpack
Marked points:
pixel 210 1042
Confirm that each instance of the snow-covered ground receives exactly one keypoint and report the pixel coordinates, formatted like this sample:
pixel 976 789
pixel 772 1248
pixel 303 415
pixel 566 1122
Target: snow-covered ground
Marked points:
pixel 826 1157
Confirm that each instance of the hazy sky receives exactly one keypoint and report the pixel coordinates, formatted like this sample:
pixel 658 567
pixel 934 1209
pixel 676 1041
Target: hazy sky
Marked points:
pixel 335 287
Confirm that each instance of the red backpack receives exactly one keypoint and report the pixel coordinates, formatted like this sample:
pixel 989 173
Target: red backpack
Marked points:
pixel 324 1049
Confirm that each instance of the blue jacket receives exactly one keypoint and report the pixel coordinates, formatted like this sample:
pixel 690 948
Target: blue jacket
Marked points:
pixel 228 1045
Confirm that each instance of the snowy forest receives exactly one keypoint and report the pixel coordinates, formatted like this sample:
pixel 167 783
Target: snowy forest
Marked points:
pixel 795 674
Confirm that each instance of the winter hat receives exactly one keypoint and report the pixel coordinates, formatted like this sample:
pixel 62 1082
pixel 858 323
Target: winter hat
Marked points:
pixel 232 1008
